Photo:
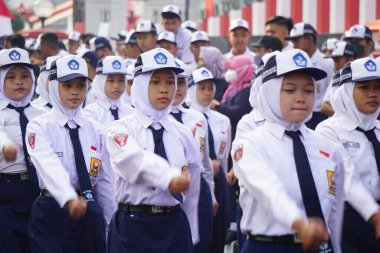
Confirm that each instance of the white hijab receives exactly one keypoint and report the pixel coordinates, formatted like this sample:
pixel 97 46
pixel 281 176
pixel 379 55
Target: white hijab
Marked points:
pixel 192 91
pixel 70 114
pixel 98 86
pixel 344 106
pixel 41 88
pixel 269 104
pixel 254 92
pixel 140 98
pixel 16 103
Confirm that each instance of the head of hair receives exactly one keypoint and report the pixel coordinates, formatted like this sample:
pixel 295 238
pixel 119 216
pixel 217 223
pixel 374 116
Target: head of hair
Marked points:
pixel 282 21
pixel 17 40
pixel 50 39
pixel 86 37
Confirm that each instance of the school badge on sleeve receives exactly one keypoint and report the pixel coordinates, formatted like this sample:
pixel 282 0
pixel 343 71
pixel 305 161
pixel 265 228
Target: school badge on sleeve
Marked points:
pixel 120 139
pixel 95 166
pixel 32 140
pixel 331 182
pixel 238 153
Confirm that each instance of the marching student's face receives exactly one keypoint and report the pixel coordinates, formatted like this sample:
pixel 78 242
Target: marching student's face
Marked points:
pixel 171 24
pixel 297 96
pixel 181 91
pixel 73 92
pixel 171 47
pixel 17 83
pixel 195 48
pixel 146 41
pixel 161 89
pixel 115 86
pixel 205 92
pixel 239 38
pixel 367 96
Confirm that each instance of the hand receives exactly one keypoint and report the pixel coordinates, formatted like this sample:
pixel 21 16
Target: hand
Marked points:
pixel 215 166
pixel 77 207
pixel 312 233
pixel 375 221
pixel 10 152
pixel 179 184
pixel 231 179
pixel 215 208
pixel 214 104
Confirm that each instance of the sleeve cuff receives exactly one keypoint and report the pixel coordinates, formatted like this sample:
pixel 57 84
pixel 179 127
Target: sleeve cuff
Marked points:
pixel 168 177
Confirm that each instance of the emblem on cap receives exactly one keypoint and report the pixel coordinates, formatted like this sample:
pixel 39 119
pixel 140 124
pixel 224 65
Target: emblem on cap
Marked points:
pixel 73 65
pixel 354 30
pixel 205 73
pixel 300 60
pixel 166 35
pixel 370 66
pixel 14 55
pixel 199 35
pixel 170 8
pixel 160 58
pixel 177 64
pixel 142 25
pixel 116 64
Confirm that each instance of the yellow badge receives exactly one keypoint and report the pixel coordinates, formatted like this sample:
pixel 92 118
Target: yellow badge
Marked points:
pixel 202 144
pixel 184 169
pixel 95 166
pixel 318 87
pixel 331 181
pixel 222 147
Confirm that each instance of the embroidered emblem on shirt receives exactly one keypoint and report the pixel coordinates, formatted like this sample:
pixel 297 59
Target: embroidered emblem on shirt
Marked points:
pixel 95 166
pixel 120 139
pixel 238 153
pixel 184 169
pixel 350 144
pixel 32 140
pixel 331 181
pixel 222 147
pixel 202 144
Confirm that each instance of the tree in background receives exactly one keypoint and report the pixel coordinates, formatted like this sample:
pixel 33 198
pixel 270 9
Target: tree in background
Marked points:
pixel 18 22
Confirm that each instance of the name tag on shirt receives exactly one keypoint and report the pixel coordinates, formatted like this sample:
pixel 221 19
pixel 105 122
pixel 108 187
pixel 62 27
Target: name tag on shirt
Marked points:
pixel 349 144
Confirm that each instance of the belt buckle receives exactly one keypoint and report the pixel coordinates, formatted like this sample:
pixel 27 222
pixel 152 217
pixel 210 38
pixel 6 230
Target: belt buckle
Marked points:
pixel 24 176
pixel 297 239
pixel 156 209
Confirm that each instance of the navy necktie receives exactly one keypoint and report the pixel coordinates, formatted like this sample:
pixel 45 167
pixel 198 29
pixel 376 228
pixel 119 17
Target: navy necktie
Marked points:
pixel 306 181
pixel 211 145
pixel 115 113
pixel 23 123
pixel 159 149
pixel 49 105
pixel 80 164
pixel 371 136
pixel 177 116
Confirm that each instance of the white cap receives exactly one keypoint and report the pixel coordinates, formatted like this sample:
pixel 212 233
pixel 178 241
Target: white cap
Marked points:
pixel 131 37
pixel 180 64
pixel 111 65
pixel 190 25
pixel 36 45
pixel 291 61
pixel 14 56
pixel 343 49
pixel 68 67
pixel 200 75
pixel 331 44
pixel 362 69
pixel 158 58
pixel 46 66
pixel 199 36
pixel 29 43
pixel 238 23
pixel 358 32
pixel 166 35
pixel 129 75
pixel 74 36
pixel 301 29
pixel 146 26
pixel 171 9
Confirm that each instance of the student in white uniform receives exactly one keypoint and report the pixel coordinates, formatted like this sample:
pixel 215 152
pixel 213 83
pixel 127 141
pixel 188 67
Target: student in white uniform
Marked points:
pixel 239 38
pixel 355 126
pixel 18 180
pixel 129 77
pixel 156 164
pixel 197 123
pixel 294 190
pixel 42 88
pixel 304 37
pixel 108 87
pixel 201 93
pixel 361 37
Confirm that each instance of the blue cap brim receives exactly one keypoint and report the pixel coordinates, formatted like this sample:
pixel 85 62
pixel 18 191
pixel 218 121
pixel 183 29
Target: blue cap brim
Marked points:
pixel 71 76
pixel 19 63
pixel 316 73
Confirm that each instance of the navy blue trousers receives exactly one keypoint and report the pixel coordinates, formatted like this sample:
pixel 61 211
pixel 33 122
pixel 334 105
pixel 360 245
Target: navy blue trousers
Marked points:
pixel 205 213
pixel 358 235
pixel 221 220
pixel 52 230
pixel 240 235
pixel 149 233
pixel 265 247
pixel 16 200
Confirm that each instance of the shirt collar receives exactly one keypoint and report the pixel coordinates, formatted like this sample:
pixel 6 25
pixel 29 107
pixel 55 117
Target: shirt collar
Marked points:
pixel 279 131
pixel 3 104
pixel 316 57
pixel 145 121
pixel 63 119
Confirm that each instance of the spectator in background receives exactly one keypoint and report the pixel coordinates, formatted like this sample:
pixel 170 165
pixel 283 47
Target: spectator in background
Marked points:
pixel 146 33
pixel 198 39
pixel 361 37
pixel 131 48
pixel 48 45
pixel 266 44
pixel 167 41
pixel 280 27
pixel 239 38
pixel 101 47
pixel 329 46
pixel 213 59
pixel 14 40
pixel 73 43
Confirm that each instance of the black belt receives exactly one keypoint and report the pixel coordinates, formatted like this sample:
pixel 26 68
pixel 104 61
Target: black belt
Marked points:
pixel 148 208
pixel 46 193
pixel 275 239
pixel 13 177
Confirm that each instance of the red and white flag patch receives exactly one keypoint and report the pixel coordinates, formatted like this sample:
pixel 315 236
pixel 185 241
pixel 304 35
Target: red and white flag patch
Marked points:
pixel 32 140
pixel 120 139
pixel 324 153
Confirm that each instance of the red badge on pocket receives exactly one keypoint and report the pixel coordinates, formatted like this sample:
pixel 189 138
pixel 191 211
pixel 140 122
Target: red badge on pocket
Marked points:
pixel 32 140
pixel 120 139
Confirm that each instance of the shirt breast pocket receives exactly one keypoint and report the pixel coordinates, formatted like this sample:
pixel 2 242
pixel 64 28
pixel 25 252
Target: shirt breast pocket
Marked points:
pixel 95 163
pixel 325 180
